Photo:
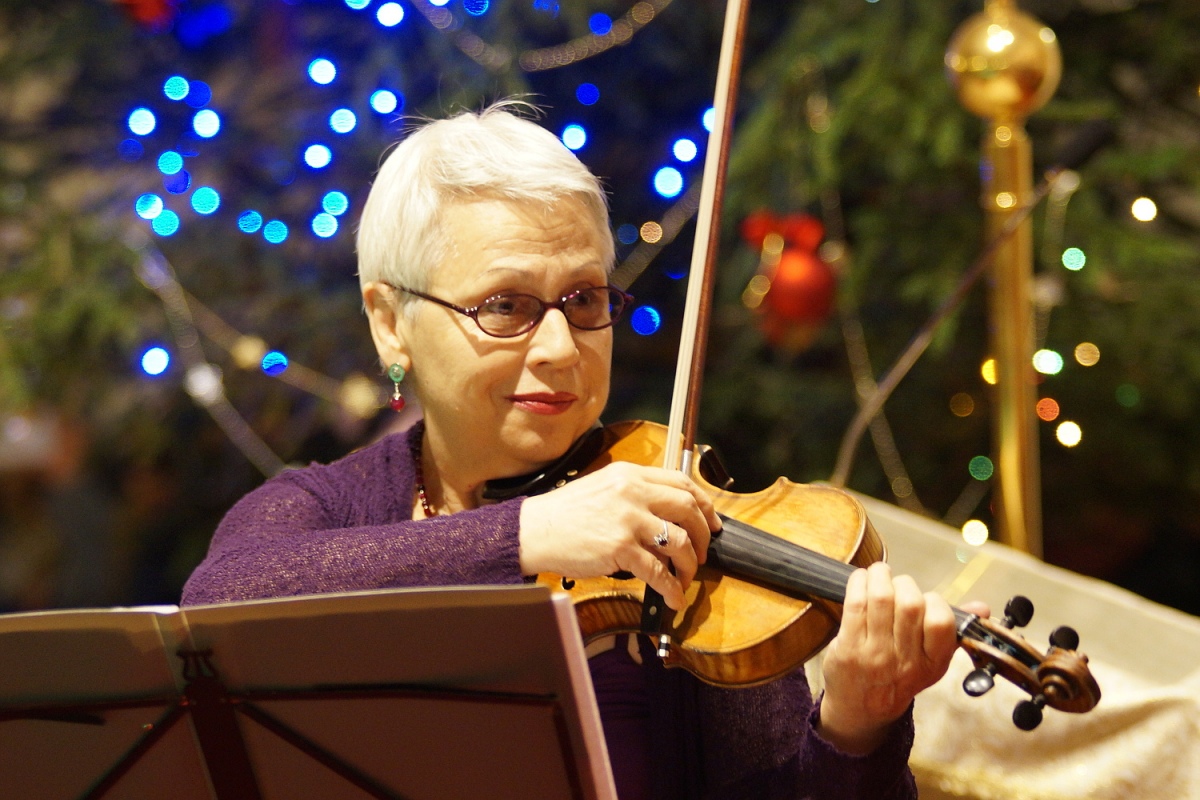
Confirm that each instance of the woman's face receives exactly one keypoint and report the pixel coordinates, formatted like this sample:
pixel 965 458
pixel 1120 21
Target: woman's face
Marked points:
pixel 501 407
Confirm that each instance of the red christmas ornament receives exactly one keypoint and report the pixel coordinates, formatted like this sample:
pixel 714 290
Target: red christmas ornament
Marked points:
pixel 799 302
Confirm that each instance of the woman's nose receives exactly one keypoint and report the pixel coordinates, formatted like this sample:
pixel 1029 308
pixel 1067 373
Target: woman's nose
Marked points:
pixel 554 338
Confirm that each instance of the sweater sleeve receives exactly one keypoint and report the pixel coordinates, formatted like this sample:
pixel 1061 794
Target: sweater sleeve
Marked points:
pixel 763 743
pixel 348 526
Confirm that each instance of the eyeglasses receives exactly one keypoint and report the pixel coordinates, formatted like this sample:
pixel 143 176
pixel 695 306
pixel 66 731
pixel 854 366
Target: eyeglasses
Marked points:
pixel 507 315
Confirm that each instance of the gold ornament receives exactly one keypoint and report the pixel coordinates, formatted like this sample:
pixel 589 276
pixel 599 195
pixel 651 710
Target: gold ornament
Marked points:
pixel 1003 63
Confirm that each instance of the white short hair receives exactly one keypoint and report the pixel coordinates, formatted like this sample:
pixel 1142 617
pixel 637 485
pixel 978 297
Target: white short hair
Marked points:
pixel 492 154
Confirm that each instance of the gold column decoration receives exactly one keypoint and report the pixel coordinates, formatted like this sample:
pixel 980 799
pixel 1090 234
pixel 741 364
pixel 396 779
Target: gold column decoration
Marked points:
pixel 1005 65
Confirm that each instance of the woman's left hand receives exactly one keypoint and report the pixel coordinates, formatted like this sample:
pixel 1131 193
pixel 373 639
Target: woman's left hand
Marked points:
pixel 893 642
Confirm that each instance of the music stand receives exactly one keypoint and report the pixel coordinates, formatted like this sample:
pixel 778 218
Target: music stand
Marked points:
pixel 413 694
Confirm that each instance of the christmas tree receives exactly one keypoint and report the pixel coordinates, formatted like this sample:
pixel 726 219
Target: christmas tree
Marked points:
pixel 187 175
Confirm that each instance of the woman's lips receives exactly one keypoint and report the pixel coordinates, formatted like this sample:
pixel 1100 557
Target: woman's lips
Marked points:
pixel 544 402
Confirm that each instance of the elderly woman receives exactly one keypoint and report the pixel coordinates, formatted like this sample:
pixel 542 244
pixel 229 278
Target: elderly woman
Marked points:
pixel 484 255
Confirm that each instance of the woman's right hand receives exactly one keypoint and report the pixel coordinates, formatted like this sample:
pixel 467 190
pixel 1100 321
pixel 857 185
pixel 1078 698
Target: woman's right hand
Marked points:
pixel 607 522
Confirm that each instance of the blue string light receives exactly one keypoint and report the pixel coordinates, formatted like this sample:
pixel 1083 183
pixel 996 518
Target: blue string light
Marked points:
pixel 390 14
pixel 600 24
pixel 274 362
pixel 155 361
pixel 249 221
pixel 206 200
pixel 170 162
pixel 166 223
pixel 342 121
pixel 206 123
pixel 324 225
pixel 318 156
pixel 142 121
pixel 668 182
pixel 627 234
pixel 384 102
pixel 322 71
pixel 275 232
pixel 574 137
pixel 358 5
pixel 587 94
pixel 685 150
pixel 131 149
pixel 198 94
pixel 148 206
pixel 176 87
pixel 178 183
pixel 707 119
pixel 335 203
pixel 645 320
pixel 476 8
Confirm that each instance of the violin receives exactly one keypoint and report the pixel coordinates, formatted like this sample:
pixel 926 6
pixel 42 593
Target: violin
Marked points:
pixel 766 602
pixel 770 595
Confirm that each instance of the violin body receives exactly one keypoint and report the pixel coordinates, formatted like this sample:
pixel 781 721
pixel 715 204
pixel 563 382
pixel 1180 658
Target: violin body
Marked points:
pixel 734 631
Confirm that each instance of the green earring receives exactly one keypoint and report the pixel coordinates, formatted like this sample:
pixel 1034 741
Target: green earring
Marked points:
pixel 396 374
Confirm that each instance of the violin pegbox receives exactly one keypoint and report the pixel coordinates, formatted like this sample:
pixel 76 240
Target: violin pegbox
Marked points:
pixel 1058 678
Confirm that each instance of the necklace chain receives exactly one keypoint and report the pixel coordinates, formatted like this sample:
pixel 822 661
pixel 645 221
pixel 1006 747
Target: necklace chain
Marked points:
pixel 420 478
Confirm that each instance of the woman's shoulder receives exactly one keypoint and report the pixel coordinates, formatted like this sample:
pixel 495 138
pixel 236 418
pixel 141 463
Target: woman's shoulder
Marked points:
pixel 381 462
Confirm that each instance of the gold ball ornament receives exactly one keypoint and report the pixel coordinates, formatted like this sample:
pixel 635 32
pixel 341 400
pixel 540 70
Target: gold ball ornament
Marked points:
pixel 1003 63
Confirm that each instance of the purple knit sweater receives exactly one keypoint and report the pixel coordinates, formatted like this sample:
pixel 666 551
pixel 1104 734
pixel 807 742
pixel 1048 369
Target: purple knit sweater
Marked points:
pixel 348 526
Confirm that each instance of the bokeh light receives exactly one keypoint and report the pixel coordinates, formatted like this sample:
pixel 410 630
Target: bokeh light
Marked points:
pixel 1144 209
pixel 384 102
pixel 1087 354
pixel 142 121
pixel 600 24
pixel 574 137
pixel 645 320
pixel 318 156
pixel 206 123
pixel 343 120
pixel 199 93
pixel 358 5
pixel 324 225
pixel 684 149
pixel 206 200
pixel 148 206
pixel 627 234
pixel 166 223
pixel 170 162
pixel 1068 434
pixel 178 183
pixel 708 119
pixel 155 361
pixel 961 404
pixel 274 362
pixel 974 532
pixel 587 94
pixel 988 371
pixel 1073 258
pixel 175 87
pixel 1048 362
pixel 476 8
pixel 322 71
pixel 1047 409
pixel 275 231
pixel 981 468
pixel 335 203
pixel 250 221
pixel 1128 395
pixel 651 232
pixel 668 182
pixel 390 14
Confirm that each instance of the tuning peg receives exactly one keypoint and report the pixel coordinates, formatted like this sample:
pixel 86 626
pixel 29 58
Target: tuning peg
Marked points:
pixel 979 681
pixel 1028 713
pixel 1064 637
pixel 1017 612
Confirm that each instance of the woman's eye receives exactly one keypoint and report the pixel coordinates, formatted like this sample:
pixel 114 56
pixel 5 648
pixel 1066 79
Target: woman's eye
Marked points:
pixel 502 306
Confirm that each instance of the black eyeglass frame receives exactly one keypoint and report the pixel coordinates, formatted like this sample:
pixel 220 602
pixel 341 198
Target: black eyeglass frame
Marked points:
pixel 560 304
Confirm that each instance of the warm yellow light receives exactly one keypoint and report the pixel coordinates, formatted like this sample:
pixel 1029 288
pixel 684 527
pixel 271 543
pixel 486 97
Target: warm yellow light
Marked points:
pixel 962 405
pixel 1006 200
pixel 988 371
pixel 974 532
pixel 999 38
pixel 1068 434
pixel 1087 354
pixel 1047 409
pixel 651 232
pixel 1144 209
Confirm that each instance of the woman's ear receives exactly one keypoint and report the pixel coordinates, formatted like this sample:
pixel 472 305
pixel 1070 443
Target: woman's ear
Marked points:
pixel 387 324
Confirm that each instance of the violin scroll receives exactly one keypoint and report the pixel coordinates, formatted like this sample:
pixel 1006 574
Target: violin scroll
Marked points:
pixel 1058 678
